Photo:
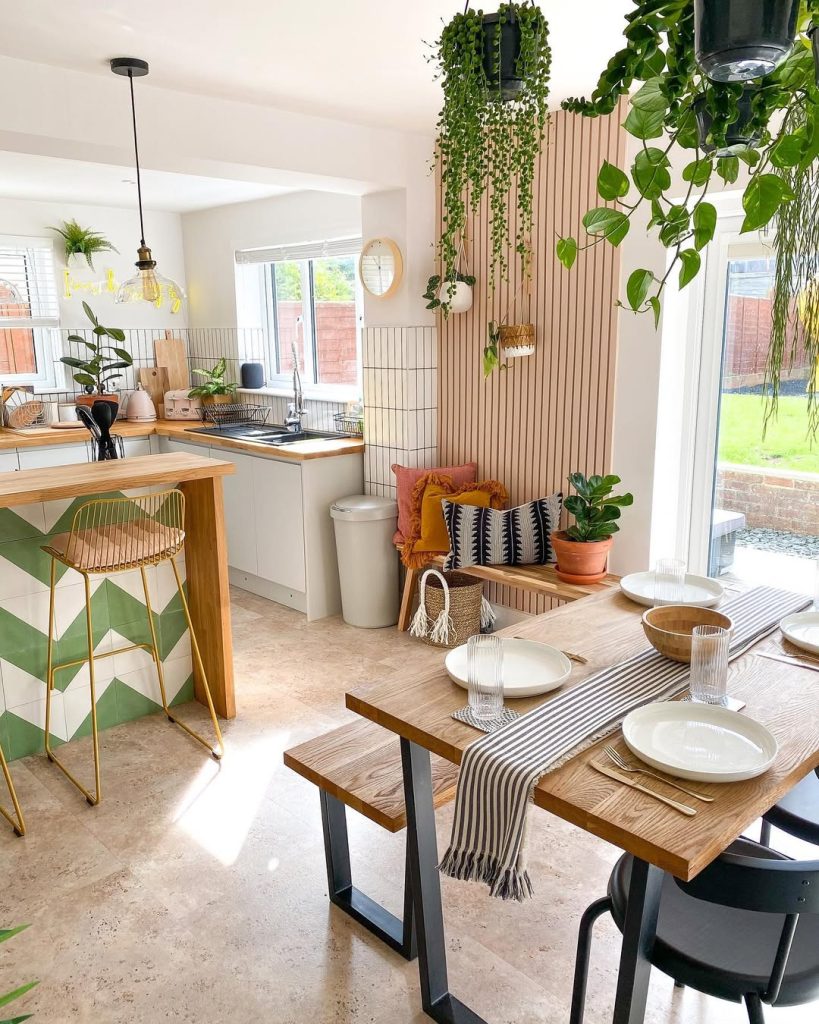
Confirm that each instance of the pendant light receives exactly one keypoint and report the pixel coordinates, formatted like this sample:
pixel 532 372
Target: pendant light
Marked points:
pixel 147 285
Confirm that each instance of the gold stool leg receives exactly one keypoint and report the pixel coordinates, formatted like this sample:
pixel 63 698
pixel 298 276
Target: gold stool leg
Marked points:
pixel 92 798
pixel 19 825
pixel 50 672
pixel 217 751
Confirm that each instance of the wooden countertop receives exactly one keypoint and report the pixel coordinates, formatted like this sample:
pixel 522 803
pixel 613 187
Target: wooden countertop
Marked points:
pixel 32 485
pixel 180 430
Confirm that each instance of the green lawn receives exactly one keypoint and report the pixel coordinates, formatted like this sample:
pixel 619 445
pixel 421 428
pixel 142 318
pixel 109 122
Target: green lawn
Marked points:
pixel 786 444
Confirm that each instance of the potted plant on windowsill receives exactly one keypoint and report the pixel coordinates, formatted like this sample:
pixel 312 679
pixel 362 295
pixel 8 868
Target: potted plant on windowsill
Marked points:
pixel 215 390
pixel 96 373
pixel 583 549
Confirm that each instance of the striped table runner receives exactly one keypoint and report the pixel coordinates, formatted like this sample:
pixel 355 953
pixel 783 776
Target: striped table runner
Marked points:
pixel 500 771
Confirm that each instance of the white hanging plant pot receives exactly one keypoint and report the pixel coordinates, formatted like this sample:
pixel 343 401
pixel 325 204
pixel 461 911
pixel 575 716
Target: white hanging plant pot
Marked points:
pixel 461 298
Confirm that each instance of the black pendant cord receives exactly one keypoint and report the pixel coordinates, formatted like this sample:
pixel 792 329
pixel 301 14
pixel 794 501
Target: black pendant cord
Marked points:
pixel 136 158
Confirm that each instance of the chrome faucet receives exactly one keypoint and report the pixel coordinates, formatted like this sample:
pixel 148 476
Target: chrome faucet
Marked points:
pixel 295 409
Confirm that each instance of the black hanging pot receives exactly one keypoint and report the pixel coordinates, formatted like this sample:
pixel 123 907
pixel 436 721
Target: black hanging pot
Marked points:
pixel 814 39
pixel 738 40
pixel 738 132
pixel 502 76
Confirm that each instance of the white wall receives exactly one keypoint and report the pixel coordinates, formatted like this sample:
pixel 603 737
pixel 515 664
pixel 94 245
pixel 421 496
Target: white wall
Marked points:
pixel 211 237
pixel 121 228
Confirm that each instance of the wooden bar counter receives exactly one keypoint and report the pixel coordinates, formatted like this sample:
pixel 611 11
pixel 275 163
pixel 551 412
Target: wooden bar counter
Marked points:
pixel 200 479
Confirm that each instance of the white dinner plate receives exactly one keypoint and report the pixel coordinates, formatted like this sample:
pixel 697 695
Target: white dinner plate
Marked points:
pixel 702 742
pixel 802 629
pixel 699 590
pixel 529 667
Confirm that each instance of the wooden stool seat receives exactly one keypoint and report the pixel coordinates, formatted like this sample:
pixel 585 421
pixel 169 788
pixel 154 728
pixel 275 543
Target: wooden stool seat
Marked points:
pixel 117 546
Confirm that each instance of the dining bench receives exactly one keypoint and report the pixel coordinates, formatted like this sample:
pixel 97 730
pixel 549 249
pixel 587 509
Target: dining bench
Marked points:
pixel 535 579
pixel 359 766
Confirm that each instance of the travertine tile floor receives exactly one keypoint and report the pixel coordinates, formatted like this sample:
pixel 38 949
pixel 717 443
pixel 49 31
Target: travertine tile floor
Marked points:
pixel 197 893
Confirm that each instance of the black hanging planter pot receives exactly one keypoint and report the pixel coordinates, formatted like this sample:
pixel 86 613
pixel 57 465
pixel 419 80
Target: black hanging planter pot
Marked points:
pixel 738 132
pixel 502 79
pixel 814 39
pixel 739 40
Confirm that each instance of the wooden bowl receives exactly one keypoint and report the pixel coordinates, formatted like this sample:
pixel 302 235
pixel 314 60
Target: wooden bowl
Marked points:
pixel 669 628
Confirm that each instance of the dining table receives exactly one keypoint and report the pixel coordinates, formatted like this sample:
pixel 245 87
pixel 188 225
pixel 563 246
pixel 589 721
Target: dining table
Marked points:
pixel 604 629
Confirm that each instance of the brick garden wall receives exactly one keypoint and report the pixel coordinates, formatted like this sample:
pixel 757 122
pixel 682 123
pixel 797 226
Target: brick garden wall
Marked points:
pixel 773 501
pixel 746 343
pixel 335 339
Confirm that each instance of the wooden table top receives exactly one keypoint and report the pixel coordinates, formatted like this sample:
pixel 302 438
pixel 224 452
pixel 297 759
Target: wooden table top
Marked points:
pixel 606 629
pixel 31 485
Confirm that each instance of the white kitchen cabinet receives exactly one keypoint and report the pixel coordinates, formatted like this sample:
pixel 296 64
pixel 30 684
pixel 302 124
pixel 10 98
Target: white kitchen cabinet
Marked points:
pixel 239 511
pixel 279 523
pixel 170 444
pixel 61 455
pixel 8 462
pixel 135 446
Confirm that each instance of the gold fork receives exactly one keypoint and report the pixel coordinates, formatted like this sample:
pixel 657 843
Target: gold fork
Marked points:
pixel 624 766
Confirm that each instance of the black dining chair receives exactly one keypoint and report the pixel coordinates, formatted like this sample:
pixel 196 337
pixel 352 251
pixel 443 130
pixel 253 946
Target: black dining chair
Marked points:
pixel 797 813
pixel 746 928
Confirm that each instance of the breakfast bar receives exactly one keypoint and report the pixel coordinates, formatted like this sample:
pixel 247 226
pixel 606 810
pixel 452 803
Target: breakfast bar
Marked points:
pixel 37 505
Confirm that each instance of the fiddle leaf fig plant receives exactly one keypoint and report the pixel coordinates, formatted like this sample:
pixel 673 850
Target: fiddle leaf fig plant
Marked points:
pixel 595 509
pixel 97 372
pixel 769 126
pixel 491 127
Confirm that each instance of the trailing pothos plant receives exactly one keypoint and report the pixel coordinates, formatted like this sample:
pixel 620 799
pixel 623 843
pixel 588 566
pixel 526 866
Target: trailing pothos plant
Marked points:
pixel 678 106
pixel 488 143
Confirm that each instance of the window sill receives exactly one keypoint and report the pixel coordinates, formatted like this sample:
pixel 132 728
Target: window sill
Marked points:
pixel 337 394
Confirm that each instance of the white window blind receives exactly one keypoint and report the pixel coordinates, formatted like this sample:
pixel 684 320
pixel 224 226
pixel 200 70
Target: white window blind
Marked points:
pixel 28 287
pixel 328 249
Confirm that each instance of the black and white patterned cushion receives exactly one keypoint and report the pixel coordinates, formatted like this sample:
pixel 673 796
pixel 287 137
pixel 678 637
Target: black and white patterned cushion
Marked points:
pixel 489 536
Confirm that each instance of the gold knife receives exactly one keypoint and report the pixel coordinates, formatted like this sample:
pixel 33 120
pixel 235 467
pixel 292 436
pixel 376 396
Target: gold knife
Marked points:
pixel 682 808
pixel 789 659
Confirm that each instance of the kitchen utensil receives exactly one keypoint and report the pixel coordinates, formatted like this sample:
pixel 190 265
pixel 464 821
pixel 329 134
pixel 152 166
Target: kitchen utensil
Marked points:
pixel 85 418
pixel 709 664
pixel 529 667
pixel 669 581
pixel 578 658
pixel 624 766
pixel 484 665
pixel 141 408
pixel 669 628
pixel 154 379
pixel 701 742
pixel 699 590
pixel 789 659
pixel 802 629
pixel 103 413
pixel 604 770
pixel 171 354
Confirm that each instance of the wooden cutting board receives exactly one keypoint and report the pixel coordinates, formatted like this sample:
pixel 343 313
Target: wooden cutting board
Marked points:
pixel 154 380
pixel 171 353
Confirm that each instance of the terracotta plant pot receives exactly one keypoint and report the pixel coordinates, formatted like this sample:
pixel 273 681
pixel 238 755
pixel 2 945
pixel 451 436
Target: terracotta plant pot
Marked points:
pixel 581 562
pixel 108 396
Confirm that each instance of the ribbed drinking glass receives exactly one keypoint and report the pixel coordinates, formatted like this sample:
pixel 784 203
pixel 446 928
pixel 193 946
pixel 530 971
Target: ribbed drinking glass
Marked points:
pixel 484 673
pixel 709 664
pixel 669 581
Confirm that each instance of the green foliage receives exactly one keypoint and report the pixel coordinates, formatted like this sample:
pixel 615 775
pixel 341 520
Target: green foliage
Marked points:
pixel 82 241
pixel 5 934
pixel 777 117
pixel 432 294
pixel 288 281
pixel 214 382
pixel 487 144
pixel 334 280
pixel 96 372
pixel 491 351
pixel 595 509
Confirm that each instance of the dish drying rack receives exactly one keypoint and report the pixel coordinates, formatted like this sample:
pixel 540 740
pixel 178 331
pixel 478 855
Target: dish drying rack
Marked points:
pixel 234 414
pixel 349 424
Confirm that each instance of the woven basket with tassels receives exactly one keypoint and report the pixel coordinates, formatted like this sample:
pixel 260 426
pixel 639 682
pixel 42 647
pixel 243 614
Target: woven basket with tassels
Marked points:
pixel 452 608
pixel 516 340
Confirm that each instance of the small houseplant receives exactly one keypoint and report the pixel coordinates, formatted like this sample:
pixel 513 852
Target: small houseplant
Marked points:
pixel 583 549
pixel 451 296
pixel 214 390
pixel 80 241
pixel 8 997
pixel 96 373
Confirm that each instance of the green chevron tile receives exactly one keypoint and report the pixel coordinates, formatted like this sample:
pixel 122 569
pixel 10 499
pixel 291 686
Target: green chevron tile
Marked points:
pixel 131 703
pixel 23 737
pixel 14 527
pixel 73 643
pixel 27 554
pixel 66 519
pixel 22 645
pixel 173 626
pixel 185 694
pixel 106 714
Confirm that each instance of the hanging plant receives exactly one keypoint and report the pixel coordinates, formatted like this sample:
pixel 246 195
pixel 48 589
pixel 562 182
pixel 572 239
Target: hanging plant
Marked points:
pixel 677 105
pixel 451 296
pixel 79 241
pixel 494 70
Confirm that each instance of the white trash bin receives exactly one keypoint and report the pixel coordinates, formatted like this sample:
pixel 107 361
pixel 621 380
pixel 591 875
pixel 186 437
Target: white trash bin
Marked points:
pixel 367 560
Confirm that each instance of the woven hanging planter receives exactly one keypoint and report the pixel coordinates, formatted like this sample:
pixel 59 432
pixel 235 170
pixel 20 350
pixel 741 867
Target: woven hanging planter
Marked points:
pixel 451 609
pixel 516 340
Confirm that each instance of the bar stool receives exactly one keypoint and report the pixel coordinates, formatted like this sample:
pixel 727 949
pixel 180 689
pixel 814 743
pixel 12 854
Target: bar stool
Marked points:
pixel 110 535
pixel 19 825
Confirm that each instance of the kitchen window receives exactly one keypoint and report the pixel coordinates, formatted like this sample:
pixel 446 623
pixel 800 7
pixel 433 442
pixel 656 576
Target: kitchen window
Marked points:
pixel 29 312
pixel 305 298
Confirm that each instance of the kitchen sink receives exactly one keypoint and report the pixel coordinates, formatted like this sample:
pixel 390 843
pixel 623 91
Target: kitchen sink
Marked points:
pixel 272 435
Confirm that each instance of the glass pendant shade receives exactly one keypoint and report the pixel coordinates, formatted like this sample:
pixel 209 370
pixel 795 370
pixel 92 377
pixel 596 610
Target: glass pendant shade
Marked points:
pixel 148 285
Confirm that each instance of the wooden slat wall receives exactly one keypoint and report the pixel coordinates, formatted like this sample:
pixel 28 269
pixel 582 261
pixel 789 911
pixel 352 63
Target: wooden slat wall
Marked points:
pixel 551 413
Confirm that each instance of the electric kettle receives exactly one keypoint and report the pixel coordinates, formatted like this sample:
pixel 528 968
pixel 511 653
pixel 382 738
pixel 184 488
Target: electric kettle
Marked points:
pixel 141 408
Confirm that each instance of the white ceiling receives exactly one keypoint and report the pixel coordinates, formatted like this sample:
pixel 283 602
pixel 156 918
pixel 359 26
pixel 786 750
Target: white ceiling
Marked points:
pixel 361 60
pixel 28 176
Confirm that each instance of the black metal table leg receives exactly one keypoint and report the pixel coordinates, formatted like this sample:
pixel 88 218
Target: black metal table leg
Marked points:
pixel 422 854
pixel 639 931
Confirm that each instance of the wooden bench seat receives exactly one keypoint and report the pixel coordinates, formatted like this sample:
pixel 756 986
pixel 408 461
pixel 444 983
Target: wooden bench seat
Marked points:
pixel 359 766
pixel 536 579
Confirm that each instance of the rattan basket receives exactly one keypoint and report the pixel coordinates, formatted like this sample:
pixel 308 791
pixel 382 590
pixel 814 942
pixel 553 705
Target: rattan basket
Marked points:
pixel 450 608
pixel 516 340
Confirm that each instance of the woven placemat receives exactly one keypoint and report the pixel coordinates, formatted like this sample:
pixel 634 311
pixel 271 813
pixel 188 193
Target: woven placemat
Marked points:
pixel 466 716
